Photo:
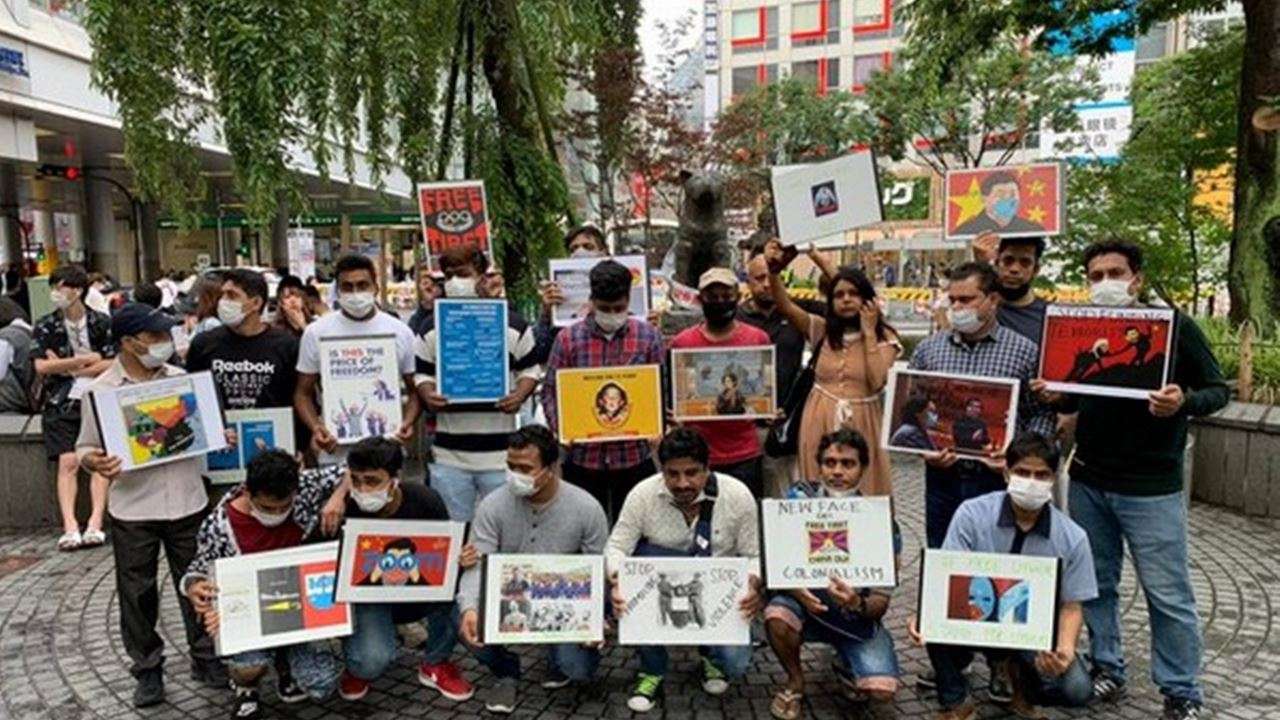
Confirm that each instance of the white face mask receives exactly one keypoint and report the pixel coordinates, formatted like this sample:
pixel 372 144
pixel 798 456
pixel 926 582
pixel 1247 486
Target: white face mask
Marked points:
pixel 60 300
pixel 357 304
pixel 965 320
pixel 1029 493
pixel 456 287
pixel 1114 293
pixel 839 493
pixel 269 519
pixel 371 502
pixel 583 252
pixel 156 355
pixel 230 312
pixel 521 485
pixel 611 323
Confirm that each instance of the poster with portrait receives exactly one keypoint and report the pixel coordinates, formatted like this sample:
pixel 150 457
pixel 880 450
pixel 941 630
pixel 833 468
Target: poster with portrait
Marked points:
pixel 989 600
pixel 535 599
pixel 683 601
pixel 454 213
pixel 818 202
pixel 257 430
pixel 159 421
pixel 397 561
pixel 928 412
pixel 472 361
pixel 737 383
pixel 360 386
pixel 1122 352
pixel 806 541
pixel 609 403
pixel 1007 200
pixel 573 277
pixel 278 598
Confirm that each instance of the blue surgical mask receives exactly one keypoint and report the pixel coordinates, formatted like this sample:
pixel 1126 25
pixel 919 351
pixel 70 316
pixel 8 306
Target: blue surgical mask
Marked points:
pixel 1006 208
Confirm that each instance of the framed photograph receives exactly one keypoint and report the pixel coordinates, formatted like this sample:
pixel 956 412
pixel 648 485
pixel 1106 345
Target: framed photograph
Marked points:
pixel 609 403
pixel 806 541
pixel 533 599
pixel 278 598
pixel 472 363
pixel 819 202
pixel 360 386
pixel 989 600
pixel 1008 200
pixel 573 277
pixel 738 383
pixel 393 561
pixel 257 430
pixel 927 412
pixel 683 601
pixel 159 421
pixel 1122 352
pixel 454 213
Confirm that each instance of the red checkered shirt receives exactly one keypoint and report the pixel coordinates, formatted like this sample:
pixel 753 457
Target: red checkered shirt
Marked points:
pixel 583 345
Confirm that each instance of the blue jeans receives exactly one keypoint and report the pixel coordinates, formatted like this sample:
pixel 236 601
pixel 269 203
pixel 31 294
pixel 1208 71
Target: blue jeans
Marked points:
pixel 944 490
pixel 462 490
pixel 732 660
pixel 1155 528
pixel 371 649
pixel 871 661
pixel 575 662
pixel 1073 689
pixel 313 667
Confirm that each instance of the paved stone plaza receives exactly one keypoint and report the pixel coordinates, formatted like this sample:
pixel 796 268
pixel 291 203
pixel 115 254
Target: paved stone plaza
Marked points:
pixel 61 658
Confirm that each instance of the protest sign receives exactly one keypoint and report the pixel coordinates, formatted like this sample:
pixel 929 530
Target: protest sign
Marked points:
pixel 257 431
pixel 609 403
pixel 1008 200
pixel 1111 351
pixel 927 412
pixel 819 202
pixel 724 383
pixel 302 252
pixel 278 598
pixel 683 601
pixel 159 421
pixel 398 561
pixel 360 384
pixel 529 599
pixel 472 362
pixel 572 275
pixel 806 541
pixel 454 213
pixel 989 600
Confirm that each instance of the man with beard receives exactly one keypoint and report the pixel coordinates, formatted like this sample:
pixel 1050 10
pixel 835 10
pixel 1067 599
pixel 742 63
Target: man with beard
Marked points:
pixel 1017 263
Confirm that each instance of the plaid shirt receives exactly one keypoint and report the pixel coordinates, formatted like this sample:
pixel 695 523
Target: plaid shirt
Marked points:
pixel 583 345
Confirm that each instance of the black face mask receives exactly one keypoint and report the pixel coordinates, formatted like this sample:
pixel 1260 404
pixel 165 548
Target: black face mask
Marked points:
pixel 719 314
pixel 1014 293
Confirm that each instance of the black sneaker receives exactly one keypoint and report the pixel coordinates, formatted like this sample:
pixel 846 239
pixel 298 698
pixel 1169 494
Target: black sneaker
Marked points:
pixel 1180 709
pixel 211 673
pixel 150 688
pixel 287 688
pixel 246 705
pixel 926 680
pixel 1107 689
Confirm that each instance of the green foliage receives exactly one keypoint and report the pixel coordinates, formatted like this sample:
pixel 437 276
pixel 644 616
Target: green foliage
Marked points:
pixel 1225 339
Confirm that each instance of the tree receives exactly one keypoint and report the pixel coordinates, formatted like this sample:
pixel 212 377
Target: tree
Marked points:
pixel 1091 26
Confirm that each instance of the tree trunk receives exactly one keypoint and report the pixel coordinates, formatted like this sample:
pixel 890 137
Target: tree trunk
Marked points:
pixel 1255 244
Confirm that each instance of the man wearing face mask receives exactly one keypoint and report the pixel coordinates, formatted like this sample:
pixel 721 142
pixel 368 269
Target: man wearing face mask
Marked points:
pixel 583 241
pixel 607 337
pixel 275 508
pixel 1021 520
pixel 357 283
pixel 151 507
pixel 1131 493
pixel 735 445
pixel 535 512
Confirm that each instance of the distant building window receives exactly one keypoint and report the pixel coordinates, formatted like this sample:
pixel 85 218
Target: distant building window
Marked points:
pixel 808 28
pixel 1153 45
pixel 865 66
pixel 746 79
pixel 754 30
pixel 871 16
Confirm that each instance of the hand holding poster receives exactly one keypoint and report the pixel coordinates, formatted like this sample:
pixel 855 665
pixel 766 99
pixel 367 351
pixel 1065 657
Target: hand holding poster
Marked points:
pixel 472 362
pixel 257 431
pixel 399 560
pixel 542 599
pixel 720 383
pixel 928 412
pixel 453 213
pixel 360 384
pixel 1009 201
pixel 819 202
pixel 807 541
pixel 989 600
pixel 609 403
pixel 572 275
pixel 160 421
pixel 683 601
pixel 1110 351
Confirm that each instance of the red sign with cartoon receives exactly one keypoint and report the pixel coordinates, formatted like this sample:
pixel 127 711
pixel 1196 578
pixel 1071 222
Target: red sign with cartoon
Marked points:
pixel 930 412
pixel 454 213
pixel 1009 201
pixel 398 560
pixel 1115 352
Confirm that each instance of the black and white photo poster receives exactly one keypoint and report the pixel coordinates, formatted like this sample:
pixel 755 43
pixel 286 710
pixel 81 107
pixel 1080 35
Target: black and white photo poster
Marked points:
pixel 683 601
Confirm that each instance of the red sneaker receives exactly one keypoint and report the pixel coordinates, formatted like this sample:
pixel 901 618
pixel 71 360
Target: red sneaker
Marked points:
pixel 446 678
pixel 352 688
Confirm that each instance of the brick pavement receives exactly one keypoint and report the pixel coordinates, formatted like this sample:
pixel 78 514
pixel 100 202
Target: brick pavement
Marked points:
pixel 61 658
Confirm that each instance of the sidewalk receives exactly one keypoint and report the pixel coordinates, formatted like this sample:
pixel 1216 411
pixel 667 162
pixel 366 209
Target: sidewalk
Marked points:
pixel 61 658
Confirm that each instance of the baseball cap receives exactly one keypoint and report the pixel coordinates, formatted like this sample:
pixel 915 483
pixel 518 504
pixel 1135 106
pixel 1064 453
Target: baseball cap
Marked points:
pixel 723 276
pixel 133 318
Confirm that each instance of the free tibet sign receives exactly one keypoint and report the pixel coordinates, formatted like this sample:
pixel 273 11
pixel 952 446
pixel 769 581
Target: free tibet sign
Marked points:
pixel 454 213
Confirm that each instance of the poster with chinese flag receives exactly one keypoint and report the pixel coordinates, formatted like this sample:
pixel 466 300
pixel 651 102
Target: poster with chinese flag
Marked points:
pixel 454 213
pixel 399 560
pixel 1008 200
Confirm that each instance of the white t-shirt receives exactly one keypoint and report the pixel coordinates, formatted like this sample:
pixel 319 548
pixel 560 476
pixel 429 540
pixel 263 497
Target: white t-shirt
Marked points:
pixel 78 336
pixel 337 324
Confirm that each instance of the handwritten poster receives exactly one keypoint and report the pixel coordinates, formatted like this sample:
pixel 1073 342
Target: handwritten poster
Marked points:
pixel 472 364
pixel 360 383
pixel 609 403
pixel 989 600
pixel 806 541
pixel 683 601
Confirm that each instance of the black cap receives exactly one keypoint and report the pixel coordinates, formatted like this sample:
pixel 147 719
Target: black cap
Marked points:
pixel 133 318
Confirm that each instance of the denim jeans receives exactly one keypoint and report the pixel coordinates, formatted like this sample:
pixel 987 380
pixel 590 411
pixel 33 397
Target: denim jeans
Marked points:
pixel 1155 528
pixel 1073 689
pixel 944 490
pixel 313 667
pixel 732 660
pixel 872 662
pixel 462 490
pixel 575 662
pixel 371 649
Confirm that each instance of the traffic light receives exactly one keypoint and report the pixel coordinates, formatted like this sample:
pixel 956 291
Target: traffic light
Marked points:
pixel 66 172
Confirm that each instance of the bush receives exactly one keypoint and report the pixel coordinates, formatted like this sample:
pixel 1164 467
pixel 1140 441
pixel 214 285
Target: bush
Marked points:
pixel 1224 338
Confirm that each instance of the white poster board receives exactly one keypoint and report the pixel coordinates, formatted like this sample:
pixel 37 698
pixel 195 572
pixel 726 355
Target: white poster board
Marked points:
pixel 302 252
pixel 278 598
pixel 539 599
pixel 395 561
pixel 683 601
pixel 160 421
pixel 573 277
pixel 989 600
pixel 257 430
pixel 806 541
pixel 819 202
pixel 360 383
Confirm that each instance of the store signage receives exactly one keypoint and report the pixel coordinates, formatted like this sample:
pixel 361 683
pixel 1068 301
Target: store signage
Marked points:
pixel 13 62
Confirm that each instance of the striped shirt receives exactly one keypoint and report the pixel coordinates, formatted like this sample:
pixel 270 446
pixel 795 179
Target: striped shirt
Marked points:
pixel 473 437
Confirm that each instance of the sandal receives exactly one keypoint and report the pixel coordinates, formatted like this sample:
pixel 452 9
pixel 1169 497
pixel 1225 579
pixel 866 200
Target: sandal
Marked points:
pixel 93 538
pixel 70 541
pixel 786 704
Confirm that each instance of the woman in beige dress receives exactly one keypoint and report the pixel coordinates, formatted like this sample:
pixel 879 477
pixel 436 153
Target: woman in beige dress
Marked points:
pixel 855 348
